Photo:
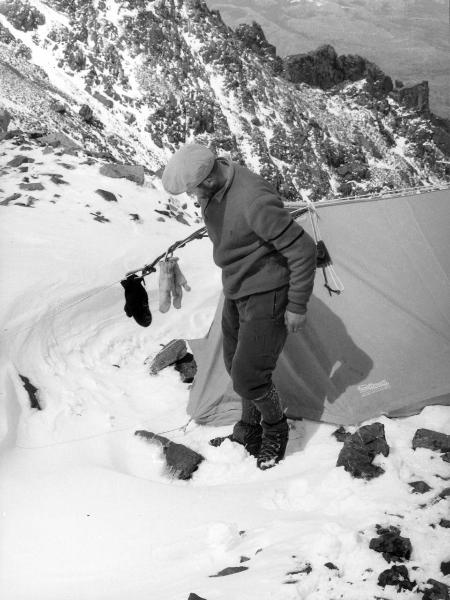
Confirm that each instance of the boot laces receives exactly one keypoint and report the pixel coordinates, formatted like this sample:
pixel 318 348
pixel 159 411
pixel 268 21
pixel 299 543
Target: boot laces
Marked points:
pixel 271 446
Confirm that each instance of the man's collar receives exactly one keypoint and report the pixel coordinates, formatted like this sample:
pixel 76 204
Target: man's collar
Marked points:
pixel 218 196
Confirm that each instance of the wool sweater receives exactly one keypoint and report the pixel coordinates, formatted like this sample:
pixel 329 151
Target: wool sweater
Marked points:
pixel 256 243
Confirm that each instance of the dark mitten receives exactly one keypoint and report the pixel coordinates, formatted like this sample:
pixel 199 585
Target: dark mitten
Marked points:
pixel 136 300
pixel 323 256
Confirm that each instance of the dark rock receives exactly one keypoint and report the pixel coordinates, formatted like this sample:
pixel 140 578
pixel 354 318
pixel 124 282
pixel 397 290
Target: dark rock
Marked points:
pixel 340 434
pixel 253 37
pixel 446 456
pixel 59 140
pixel 9 199
pixel 361 448
pixel 445 493
pixel 331 566
pixel 171 353
pixel 419 487
pixel 433 440
pixel 23 169
pixel 19 160
pixel 346 188
pixel 181 461
pixel 244 559
pixel 22 15
pixel 445 523
pixel 324 68
pixel 12 133
pixel 307 569
pixel 99 217
pixel 180 218
pixel 437 591
pixel 5 119
pixel 31 187
pixel 414 97
pixel 193 596
pixel 229 571
pixel 108 196
pixel 36 134
pixel 32 392
pixel 135 217
pixel 391 544
pixel 187 367
pixel 58 107
pixel 134 173
pixel 86 113
pixel 445 567
pixel 58 179
pixel 104 100
pixel 397 576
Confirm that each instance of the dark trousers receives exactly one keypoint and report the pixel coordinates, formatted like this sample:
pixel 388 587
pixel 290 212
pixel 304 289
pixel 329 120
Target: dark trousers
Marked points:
pixel 254 334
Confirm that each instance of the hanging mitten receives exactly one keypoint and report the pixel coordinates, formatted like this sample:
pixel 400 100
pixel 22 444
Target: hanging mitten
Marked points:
pixel 166 283
pixel 180 282
pixel 136 300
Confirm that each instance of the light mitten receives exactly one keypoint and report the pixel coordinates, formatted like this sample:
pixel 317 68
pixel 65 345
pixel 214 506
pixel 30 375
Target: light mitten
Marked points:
pixel 166 284
pixel 180 282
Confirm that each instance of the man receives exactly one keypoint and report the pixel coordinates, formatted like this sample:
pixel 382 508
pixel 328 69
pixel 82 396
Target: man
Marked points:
pixel 268 265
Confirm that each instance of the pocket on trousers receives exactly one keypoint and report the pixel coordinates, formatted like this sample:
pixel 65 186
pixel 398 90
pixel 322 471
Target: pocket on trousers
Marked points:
pixel 280 300
pixel 266 305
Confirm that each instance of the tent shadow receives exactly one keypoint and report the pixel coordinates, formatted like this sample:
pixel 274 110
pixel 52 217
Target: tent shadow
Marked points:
pixel 318 365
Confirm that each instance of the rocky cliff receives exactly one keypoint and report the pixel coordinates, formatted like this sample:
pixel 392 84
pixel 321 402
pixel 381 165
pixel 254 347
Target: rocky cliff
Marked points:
pixel 136 79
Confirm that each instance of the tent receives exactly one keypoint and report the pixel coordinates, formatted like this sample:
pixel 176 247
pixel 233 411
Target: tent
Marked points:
pixel 382 347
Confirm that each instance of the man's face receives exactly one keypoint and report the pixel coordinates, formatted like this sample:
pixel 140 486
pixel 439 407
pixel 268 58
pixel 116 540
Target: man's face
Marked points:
pixel 206 189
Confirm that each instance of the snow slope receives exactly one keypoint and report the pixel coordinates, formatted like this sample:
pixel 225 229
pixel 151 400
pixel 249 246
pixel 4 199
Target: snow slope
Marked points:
pixel 87 510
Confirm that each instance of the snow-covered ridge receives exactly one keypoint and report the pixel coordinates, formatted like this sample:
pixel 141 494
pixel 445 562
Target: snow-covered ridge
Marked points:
pixel 150 73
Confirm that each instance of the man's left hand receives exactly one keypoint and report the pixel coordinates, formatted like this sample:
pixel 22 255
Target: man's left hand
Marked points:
pixel 294 322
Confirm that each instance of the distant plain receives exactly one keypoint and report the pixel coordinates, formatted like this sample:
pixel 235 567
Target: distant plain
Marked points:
pixel 408 39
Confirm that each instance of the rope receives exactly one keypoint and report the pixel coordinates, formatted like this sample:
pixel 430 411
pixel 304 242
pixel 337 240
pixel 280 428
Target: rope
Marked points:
pixel 183 428
pixel 328 270
pixel 146 270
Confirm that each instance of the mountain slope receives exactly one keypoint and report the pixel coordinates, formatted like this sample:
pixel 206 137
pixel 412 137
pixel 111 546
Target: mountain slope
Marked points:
pixel 157 74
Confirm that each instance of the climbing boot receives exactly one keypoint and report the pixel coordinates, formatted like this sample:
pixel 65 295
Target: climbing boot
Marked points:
pixel 273 444
pixel 245 434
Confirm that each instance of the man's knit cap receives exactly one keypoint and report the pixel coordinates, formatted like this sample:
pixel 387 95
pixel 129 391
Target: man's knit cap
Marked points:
pixel 187 168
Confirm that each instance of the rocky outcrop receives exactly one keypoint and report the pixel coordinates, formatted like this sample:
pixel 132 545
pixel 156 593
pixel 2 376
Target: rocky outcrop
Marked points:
pixel 391 544
pixel 22 15
pixel 134 173
pixel 325 69
pixel 436 591
pixel 415 97
pixel 398 577
pixel 361 448
pixel 433 440
pixel 253 38
pixel 195 79
pixel 5 119
pixel 181 461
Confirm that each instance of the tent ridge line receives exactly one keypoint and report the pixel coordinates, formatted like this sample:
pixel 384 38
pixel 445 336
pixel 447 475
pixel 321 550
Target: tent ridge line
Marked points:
pixel 394 194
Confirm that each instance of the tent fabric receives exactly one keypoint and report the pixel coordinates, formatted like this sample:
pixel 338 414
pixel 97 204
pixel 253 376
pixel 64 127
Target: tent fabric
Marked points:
pixel 382 347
